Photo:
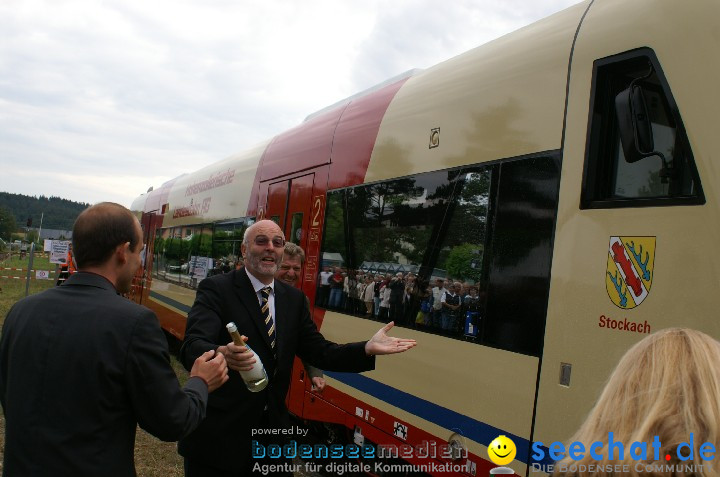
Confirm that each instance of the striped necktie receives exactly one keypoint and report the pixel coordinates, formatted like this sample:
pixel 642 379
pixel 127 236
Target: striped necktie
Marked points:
pixel 269 322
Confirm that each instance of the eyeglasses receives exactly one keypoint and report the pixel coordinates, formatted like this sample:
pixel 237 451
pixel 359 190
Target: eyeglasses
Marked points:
pixel 263 240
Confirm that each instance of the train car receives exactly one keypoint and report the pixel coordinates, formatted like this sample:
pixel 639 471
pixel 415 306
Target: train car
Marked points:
pixel 556 169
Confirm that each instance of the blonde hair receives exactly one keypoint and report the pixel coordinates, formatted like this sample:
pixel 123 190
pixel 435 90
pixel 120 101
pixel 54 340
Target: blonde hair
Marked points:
pixel 667 385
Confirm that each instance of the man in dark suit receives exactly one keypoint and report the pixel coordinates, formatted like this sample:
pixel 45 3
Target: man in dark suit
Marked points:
pixel 82 366
pixel 221 446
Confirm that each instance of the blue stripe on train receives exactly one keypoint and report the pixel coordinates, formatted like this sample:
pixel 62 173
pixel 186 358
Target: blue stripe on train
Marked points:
pixel 464 425
pixel 169 301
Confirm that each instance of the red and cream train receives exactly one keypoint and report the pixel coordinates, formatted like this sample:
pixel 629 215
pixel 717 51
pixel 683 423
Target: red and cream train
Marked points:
pixel 566 169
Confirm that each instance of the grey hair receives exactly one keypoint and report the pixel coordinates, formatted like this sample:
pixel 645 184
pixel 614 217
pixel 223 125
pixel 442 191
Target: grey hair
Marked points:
pixel 292 250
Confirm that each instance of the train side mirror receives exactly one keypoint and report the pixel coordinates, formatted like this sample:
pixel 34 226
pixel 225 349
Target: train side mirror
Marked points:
pixel 634 123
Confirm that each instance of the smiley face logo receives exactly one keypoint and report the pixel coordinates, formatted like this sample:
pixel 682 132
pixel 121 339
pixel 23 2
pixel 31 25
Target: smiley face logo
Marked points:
pixel 502 450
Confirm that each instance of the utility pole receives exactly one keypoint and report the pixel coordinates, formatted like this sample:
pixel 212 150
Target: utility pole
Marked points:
pixel 29 268
pixel 42 214
pixel 27 227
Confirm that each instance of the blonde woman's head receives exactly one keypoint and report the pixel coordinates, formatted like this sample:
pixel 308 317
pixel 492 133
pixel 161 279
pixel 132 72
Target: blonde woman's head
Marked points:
pixel 667 385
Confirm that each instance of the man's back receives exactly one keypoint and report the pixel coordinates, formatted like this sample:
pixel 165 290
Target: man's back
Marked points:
pixel 80 366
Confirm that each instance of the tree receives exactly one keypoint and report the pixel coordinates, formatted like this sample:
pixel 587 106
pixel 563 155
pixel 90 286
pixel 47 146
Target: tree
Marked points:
pixel 176 249
pixel 386 219
pixel 7 223
pixel 159 247
pixel 201 245
pixel 59 213
pixel 465 262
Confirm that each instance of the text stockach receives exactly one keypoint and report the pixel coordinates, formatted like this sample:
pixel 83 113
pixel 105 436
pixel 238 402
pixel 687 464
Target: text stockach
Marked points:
pixel 624 325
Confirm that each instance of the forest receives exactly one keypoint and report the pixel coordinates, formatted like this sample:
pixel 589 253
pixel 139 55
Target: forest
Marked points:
pixel 57 213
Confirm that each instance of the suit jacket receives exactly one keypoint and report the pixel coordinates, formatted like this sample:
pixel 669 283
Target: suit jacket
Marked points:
pixel 80 367
pixel 223 440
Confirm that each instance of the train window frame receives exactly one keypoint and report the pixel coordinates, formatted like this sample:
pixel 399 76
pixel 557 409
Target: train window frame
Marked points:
pixel 504 190
pixel 603 152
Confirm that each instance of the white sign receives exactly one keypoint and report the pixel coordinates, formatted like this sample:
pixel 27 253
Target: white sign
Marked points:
pixel 59 251
pixel 47 245
pixel 199 267
pixel 42 274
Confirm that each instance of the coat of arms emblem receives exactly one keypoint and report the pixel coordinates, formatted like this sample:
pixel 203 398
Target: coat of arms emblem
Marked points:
pixel 630 265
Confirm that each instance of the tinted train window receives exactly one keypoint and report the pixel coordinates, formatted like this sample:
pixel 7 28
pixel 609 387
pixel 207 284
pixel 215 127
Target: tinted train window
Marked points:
pixel 659 168
pixel 182 254
pixel 520 254
pixel 462 253
pixel 227 238
pixel 186 255
pixel 379 230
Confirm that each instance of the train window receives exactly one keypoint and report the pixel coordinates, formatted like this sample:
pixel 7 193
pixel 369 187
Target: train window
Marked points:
pixel 172 252
pixel 227 238
pixel 335 247
pixel 379 230
pixel 296 228
pixel 182 254
pixel 485 232
pixel 186 255
pixel 160 264
pixel 519 254
pixel 638 153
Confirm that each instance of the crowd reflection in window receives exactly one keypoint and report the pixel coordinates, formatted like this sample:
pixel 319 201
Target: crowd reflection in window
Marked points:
pixel 418 244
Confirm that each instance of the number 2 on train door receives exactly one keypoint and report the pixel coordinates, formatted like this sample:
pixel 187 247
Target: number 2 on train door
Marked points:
pixel 316 217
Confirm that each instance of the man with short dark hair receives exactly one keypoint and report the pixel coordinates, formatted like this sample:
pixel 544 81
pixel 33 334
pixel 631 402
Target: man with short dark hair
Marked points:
pixel 82 366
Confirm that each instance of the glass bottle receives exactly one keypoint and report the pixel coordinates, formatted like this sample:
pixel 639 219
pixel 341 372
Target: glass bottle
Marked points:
pixel 256 379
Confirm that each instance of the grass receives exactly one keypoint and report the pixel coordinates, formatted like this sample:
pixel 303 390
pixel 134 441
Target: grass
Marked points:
pixel 11 289
pixel 153 458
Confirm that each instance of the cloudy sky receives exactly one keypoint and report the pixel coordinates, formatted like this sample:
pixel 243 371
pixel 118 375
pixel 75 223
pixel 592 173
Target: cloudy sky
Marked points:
pixel 101 99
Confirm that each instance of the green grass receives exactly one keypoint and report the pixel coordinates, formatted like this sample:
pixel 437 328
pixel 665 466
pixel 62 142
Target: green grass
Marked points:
pixel 39 262
pixel 153 458
pixel 12 290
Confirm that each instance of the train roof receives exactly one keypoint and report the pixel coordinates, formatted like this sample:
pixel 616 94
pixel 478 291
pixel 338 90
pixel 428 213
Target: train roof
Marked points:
pixel 503 99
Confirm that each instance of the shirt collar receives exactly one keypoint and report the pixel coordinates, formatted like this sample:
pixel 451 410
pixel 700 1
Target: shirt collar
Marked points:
pixel 258 285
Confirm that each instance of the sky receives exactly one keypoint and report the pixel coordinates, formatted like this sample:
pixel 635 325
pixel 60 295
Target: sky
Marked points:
pixel 102 99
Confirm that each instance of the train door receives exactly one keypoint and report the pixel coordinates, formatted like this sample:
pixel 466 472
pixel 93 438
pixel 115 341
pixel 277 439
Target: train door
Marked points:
pixel 297 206
pixel 288 204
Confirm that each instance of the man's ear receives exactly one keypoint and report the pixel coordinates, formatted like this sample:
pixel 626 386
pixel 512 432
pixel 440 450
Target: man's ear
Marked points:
pixel 242 249
pixel 121 252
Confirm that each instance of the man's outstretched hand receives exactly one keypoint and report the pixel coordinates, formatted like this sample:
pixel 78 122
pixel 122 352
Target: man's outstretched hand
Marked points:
pixel 381 343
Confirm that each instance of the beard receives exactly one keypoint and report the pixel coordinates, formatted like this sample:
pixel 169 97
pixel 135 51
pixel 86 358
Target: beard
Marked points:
pixel 256 264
